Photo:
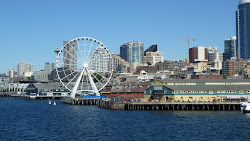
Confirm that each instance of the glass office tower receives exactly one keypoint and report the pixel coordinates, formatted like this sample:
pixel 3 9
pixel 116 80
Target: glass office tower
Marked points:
pixel 243 29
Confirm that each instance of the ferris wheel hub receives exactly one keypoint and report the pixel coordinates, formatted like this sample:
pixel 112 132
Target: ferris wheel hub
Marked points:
pixel 85 65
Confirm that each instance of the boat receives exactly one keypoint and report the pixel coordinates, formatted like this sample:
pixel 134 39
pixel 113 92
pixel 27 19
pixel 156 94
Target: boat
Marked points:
pixel 49 102
pixel 245 106
pixel 54 103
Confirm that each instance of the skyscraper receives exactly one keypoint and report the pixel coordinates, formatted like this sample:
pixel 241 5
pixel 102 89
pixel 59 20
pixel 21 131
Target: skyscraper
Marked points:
pixel 229 48
pixel 132 52
pixel 100 60
pixel 49 67
pixel 243 29
pixel 152 48
pixel 23 67
pixel 70 55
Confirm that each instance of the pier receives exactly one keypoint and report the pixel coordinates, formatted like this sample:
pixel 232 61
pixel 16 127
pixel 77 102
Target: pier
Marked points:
pixel 172 106
pixel 40 97
pixel 81 101
pixel 5 95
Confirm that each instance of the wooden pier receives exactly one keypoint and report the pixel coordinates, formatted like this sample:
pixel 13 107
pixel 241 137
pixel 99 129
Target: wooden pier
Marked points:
pixel 172 106
pixel 81 101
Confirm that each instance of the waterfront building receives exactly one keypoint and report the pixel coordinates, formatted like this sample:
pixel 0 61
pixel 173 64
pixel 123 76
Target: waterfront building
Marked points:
pixel 49 67
pixel 10 73
pixel 207 76
pixel 197 90
pixel 152 48
pixel 23 67
pixel 153 58
pixel 70 55
pixel 132 52
pixel 229 48
pixel 119 64
pixel 243 29
pixel 234 67
pixel 50 89
pixel 198 54
pixel 131 90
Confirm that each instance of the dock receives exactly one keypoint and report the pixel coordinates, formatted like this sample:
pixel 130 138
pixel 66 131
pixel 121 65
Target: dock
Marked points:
pixel 172 106
pixel 81 101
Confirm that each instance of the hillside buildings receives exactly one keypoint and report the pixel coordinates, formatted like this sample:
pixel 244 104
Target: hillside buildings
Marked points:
pixel 198 54
pixel 153 57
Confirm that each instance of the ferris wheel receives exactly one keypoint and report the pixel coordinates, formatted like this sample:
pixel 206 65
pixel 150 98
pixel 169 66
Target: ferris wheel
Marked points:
pixel 84 65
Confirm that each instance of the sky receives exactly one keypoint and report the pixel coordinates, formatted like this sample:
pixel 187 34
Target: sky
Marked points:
pixel 31 29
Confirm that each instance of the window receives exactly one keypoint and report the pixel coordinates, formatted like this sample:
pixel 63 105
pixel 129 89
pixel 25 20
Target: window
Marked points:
pixel 241 92
pixel 158 88
pixel 211 92
pixel 221 91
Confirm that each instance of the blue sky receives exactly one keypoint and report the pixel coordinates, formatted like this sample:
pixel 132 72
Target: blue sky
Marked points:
pixel 31 29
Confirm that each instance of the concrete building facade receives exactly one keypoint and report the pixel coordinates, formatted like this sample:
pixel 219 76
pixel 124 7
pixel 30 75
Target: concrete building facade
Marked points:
pixel 198 54
pixel 153 57
pixel 23 67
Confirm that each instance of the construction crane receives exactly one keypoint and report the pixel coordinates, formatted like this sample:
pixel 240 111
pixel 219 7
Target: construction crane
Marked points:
pixel 188 44
pixel 186 39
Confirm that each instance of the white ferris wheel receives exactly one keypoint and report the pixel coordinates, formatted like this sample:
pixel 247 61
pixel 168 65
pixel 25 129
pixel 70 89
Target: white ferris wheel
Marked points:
pixel 84 65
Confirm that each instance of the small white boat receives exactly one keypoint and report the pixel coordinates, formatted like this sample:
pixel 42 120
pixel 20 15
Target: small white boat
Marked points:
pixel 245 106
pixel 49 102
pixel 54 103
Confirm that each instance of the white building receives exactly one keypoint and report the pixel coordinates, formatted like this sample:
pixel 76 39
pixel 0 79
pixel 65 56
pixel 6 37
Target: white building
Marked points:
pixel 215 57
pixel 23 67
pixel 100 60
pixel 153 57
pixel 10 73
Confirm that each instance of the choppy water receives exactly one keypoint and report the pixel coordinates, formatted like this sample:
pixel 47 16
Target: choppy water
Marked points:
pixel 37 120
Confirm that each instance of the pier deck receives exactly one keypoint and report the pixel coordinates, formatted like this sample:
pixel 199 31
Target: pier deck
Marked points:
pixel 213 106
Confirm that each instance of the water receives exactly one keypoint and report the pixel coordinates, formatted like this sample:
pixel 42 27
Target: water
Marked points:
pixel 37 120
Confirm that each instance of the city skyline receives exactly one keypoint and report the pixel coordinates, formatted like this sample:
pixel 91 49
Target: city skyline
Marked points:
pixel 32 30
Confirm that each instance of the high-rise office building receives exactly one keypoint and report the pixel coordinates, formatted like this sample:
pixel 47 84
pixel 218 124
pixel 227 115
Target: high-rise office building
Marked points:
pixel 70 55
pixel 229 48
pixel 100 60
pixel 49 67
pixel 23 67
pixel 243 29
pixel 132 52
pixel 152 48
